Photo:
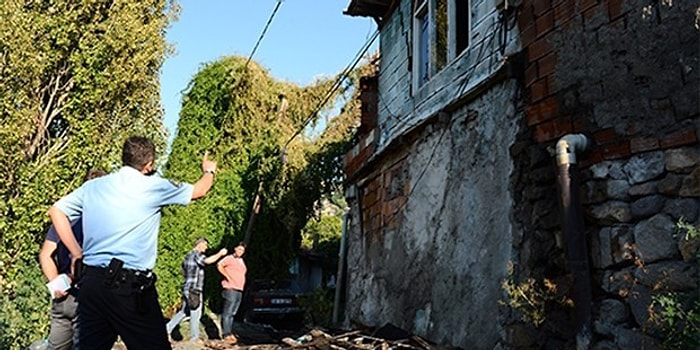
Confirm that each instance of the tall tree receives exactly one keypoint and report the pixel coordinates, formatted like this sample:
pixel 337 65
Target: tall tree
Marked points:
pixel 254 126
pixel 76 79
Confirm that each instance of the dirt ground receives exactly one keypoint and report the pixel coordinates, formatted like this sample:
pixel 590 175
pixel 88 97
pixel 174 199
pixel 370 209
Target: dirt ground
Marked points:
pixel 258 335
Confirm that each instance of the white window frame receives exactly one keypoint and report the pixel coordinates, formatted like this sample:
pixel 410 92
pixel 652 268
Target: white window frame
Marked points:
pixel 420 8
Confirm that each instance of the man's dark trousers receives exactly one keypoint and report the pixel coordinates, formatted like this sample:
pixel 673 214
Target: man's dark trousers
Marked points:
pixel 106 310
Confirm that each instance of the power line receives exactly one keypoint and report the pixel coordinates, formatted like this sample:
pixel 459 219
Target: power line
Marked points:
pixel 262 34
pixel 346 72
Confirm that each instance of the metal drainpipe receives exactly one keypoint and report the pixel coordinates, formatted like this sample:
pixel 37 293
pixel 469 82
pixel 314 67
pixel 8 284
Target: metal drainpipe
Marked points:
pixel 574 235
pixel 339 286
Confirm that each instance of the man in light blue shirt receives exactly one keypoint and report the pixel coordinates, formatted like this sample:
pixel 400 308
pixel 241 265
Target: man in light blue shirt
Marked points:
pixel 121 216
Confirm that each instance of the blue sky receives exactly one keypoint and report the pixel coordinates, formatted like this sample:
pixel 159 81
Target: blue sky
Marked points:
pixel 306 39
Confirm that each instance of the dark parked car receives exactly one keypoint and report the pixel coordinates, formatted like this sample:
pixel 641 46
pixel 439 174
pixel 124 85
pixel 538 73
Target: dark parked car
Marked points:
pixel 273 302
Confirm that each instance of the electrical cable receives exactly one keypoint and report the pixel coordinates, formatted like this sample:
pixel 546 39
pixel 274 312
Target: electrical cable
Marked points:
pixel 264 31
pixel 346 72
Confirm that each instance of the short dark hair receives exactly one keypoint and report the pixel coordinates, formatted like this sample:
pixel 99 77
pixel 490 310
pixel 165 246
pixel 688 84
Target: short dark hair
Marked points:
pixel 242 244
pixel 138 151
pixel 94 173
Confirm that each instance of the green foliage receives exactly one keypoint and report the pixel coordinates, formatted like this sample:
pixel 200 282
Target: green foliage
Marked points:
pixel 678 314
pixel 323 236
pixel 25 310
pixel 76 79
pixel 531 298
pixel 234 110
pixel 318 307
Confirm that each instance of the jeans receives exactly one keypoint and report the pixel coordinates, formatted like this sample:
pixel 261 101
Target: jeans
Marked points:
pixel 232 299
pixel 195 315
pixel 64 324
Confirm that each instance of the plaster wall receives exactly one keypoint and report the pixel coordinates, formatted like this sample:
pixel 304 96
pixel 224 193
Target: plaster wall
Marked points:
pixel 436 269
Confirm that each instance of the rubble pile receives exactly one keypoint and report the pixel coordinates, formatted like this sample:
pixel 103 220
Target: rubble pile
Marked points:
pixel 317 339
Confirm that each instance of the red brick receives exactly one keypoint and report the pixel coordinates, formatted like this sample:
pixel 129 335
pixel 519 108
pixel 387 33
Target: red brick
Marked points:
pixel 526 17
pixel 531 74
pixel 539 48
pixel 614 9
pixel 551 84
pixel 549 108
pixel 593 157
pixel 545 23
pixel 542 111
pixel 539 90
pixel 532 113
pixel 564 12
pixel 605 136
pixel 643 144
pixel 616 150
pixel 589 13
pixel 551 130
pixel 546 65
pixel 587 4
pixel 541 6
pixel 528 34
pixel 679 138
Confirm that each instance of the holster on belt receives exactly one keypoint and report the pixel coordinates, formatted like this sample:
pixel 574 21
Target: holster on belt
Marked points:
pixel 145 282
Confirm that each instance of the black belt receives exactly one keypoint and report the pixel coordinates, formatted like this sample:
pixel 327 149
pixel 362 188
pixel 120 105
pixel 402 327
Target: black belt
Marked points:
pixel 140 282
pixel 122 276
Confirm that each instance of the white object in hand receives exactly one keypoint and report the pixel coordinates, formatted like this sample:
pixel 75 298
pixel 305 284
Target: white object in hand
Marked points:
pixel 60 283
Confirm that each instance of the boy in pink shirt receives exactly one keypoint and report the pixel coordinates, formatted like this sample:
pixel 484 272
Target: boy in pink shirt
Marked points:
pixel 233 268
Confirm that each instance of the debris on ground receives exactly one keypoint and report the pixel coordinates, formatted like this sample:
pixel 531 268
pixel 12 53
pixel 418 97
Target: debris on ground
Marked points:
pixel 317 339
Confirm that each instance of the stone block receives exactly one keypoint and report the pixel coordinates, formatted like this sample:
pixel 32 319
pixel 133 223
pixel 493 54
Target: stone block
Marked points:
pixel 686 208
pixel 647 206
pixel 669 276
pixel 643 189
pixel 611 212
pixel 690 187
pixel 688 247
pixel 654 239
pixel 682 160
pixel 670 184
pixel 618 282
pixel 644 167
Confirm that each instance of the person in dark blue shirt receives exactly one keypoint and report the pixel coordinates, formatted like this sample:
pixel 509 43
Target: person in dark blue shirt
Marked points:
pixel 55 259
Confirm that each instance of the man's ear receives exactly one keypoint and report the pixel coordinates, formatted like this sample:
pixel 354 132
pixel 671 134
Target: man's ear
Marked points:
pixel 148 168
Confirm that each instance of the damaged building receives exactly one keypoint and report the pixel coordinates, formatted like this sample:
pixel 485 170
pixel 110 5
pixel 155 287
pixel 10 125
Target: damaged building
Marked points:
pixel 537 148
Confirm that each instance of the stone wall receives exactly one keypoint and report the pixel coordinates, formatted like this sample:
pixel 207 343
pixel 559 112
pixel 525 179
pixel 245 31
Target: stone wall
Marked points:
pixel 625 73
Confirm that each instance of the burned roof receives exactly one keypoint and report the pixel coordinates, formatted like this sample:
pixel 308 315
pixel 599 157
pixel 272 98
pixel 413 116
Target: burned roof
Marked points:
pixel 377 9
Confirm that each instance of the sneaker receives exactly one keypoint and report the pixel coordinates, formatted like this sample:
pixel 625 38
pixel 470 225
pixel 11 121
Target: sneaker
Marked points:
pixel 231 339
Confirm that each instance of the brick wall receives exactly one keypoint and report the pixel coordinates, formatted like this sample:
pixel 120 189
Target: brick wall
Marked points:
pixel 554 104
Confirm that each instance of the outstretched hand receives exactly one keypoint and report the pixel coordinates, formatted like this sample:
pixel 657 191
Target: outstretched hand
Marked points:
pixel 223 251
pixel 208 165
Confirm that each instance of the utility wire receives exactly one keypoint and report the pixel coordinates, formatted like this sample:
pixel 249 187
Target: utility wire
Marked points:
pixel 348 69
pixel 252 52
pixel 262 34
